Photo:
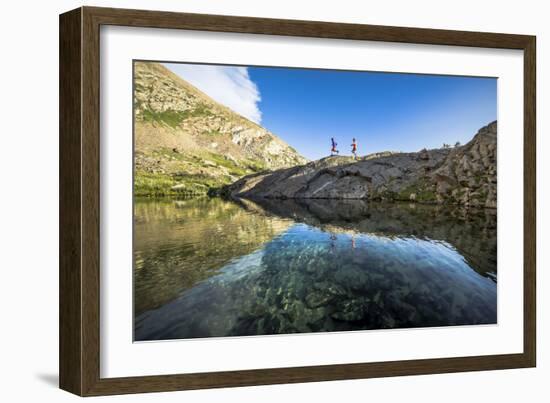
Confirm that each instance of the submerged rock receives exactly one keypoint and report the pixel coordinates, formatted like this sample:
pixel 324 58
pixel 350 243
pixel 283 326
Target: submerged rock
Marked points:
pixel 316 299
pixel 351 310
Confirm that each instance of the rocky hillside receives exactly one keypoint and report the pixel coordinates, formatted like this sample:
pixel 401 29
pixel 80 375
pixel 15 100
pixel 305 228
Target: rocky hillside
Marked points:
pixel 185 142
pixel 464 175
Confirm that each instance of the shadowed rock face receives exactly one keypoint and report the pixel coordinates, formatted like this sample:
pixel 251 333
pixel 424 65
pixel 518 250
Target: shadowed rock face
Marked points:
pixel 464 175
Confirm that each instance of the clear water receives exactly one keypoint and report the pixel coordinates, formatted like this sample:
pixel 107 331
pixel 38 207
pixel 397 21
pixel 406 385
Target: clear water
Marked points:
pixel 211 267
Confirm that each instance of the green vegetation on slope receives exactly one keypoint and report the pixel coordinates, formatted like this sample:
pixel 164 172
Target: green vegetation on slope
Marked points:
pixel 190 175
pixel 171 117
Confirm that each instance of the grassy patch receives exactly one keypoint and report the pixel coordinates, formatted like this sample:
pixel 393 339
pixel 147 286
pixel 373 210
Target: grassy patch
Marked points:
pixel 149 184
pixel 156 185
pixel 198 184
pixel 405 194
pixel 174 118
pixel 255 166
pixel 212 133
pixel 203 174
pixel 239 169
pixel 385 195
pixel 201 110
pixel 234 168
pixel 168 117
pixel 423 193
pixel 167 152
pixel 426 196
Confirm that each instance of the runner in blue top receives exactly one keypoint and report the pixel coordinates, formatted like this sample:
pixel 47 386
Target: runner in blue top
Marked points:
pixel 333 149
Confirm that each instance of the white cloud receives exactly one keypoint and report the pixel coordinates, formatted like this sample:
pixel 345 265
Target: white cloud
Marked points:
pixel 230 86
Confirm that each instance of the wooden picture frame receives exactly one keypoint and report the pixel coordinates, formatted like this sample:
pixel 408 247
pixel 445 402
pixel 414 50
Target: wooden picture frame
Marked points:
pixel 80 199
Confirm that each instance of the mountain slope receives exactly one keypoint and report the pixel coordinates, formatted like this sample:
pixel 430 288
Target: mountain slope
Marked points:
pixel 464 175
pixel 185 142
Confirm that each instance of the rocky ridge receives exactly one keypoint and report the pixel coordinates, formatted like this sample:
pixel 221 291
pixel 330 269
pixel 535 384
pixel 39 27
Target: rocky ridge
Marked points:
pixel 464 175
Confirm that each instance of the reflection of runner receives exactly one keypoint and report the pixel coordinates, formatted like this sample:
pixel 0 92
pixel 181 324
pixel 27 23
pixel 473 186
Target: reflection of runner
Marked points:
pixel 332 242
pixel 352 241
pixel 333 149
pixel 354 148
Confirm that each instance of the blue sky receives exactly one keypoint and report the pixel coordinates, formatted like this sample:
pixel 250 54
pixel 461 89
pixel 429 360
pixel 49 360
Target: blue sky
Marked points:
pixel 383 111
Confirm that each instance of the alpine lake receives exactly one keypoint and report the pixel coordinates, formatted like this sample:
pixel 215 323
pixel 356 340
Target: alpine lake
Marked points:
pixel 211 267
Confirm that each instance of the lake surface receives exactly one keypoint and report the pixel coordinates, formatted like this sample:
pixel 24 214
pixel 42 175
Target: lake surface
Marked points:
pixel 209 267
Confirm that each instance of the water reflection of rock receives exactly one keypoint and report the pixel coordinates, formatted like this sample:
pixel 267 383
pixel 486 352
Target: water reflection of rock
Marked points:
pixel 299 282
pixel 471 231
pixel 180 243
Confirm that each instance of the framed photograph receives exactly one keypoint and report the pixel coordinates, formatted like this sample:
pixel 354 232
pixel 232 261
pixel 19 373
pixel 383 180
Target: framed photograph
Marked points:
pixel 249 201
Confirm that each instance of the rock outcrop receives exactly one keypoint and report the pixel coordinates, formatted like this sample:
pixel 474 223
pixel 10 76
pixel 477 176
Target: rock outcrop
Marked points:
pixel 185 142
pixel 464 175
